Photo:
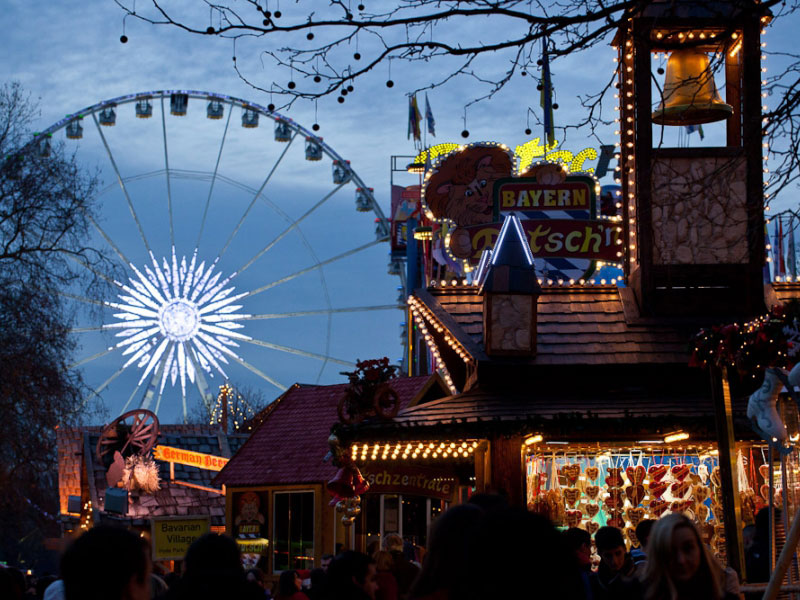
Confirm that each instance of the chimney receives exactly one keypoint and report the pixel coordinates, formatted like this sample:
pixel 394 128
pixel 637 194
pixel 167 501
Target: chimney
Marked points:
pixel 510 293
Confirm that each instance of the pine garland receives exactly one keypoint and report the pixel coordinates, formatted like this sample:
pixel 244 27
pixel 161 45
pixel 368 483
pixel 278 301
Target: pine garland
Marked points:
pixel 772 340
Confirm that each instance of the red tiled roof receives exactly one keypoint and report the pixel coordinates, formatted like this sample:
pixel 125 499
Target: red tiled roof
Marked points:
pixel 292 440
pixel 577 326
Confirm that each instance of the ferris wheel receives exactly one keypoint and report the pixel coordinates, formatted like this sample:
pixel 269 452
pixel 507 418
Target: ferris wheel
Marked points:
pixel 237 253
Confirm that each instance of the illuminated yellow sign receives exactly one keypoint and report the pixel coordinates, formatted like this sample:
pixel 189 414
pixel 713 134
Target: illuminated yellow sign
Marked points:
pixel 172 537
pixel 187 457
pixel 526 153
pixel 254 546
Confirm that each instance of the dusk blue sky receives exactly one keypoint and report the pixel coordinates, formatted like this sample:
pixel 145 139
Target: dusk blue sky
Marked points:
pixel 68 55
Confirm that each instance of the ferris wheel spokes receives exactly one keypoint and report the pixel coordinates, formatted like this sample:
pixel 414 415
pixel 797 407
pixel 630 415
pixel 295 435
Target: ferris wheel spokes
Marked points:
pixel 200 381
pixel 291 227
pixel 88 359
pixel 156 380
pixel 79 298
pixel 101 387
pixel 166 166
pixel 109 241
pixel 121 182
pixel 213 178
pixel 256 196
pixel 261 374
pixel 298 352
pixel 313 267
pixel 321 311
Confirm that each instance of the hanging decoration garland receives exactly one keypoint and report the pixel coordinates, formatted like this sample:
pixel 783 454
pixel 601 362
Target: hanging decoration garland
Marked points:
pixel 765 346
pixel 772 340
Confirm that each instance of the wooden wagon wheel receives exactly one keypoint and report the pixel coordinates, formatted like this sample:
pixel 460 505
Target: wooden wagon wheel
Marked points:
pixel 349 410
pixel 386 401
pixel 142 436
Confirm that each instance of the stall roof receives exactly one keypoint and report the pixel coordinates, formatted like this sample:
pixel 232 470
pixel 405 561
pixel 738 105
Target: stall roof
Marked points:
pixel 604 415
pixel 576 326
pixel 290 443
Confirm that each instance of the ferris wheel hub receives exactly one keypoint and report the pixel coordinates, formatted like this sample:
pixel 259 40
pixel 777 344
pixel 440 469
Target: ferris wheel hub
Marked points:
pixel 179 320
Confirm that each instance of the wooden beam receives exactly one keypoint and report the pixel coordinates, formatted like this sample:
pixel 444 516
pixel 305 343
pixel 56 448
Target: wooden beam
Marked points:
pixel 507 469
pixel 733 96
pixel 751 141
pixel 731 503
pixel 643 155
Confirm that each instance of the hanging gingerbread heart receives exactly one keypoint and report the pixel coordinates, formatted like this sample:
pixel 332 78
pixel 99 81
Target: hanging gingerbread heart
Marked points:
pixel 630 532
pixel 658 507
pixel 615 519
pixel 657 472
pixel 592 509
pixel 571 496
pixel 763 470
pixel 592 473
pixel 679 489
pixel 678 506
pixel 571 473
pixel 635 515
pixel 680 472
pixel 592 491
pixel 657 488
pixel 716 477
pixel 701 492
pixel 614 477
pixel 573 518
pixel 614 498
pixel 635 474
pixel 592 526
pixel 702 512
pixel 716 510
pixel 635 494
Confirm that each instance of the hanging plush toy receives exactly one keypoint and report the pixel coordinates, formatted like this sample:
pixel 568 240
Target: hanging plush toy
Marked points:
pixel 762 410
pixel 762 407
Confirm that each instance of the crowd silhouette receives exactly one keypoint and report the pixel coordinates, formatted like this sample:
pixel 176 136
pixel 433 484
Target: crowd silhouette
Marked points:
pixel 480 550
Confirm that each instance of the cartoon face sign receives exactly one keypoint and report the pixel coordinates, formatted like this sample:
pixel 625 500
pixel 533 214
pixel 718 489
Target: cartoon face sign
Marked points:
pixel 461 188
pixel 249 510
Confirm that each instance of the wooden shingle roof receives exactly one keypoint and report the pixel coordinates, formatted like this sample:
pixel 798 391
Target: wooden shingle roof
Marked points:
pixel 592 325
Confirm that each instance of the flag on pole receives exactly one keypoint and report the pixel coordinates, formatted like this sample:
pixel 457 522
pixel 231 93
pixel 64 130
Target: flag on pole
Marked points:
pixel 414 118
pixel 782 268
pixel 791 251
pixel 690 129
pixel 776 252
pixel 429 117
pixel 546 99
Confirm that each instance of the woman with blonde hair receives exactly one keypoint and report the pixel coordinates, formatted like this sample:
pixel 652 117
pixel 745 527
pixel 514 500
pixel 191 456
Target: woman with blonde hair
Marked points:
pixel 387 584
pixel 680 566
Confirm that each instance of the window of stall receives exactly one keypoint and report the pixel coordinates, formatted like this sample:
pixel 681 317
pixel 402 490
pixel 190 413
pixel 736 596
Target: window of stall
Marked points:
pixel 293 531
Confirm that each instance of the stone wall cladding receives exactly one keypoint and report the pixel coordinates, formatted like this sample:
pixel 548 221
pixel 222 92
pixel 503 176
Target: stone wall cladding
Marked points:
pixel 511 322
pixel 699 214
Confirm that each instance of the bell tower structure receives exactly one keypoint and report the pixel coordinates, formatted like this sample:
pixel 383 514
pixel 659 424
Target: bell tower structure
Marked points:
pixel 695 244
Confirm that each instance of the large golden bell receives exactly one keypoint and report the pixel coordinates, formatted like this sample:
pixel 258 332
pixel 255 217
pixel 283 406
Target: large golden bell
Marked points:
pixel 690 95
